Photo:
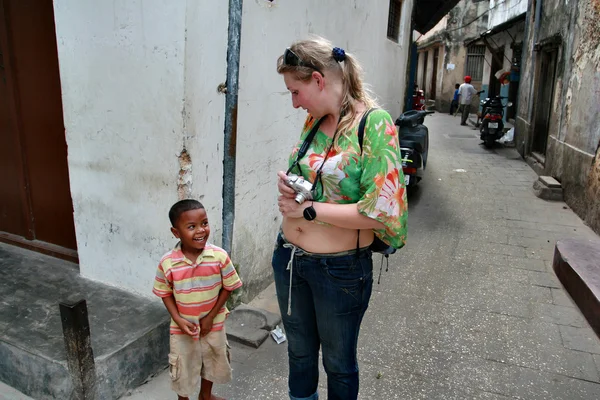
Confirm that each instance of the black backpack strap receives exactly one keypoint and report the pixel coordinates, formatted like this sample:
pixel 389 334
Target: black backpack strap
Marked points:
pixel 361 128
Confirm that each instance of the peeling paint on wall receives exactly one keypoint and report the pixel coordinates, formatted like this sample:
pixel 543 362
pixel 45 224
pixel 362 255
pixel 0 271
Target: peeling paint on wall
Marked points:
pixel 184 182
pixel 593 189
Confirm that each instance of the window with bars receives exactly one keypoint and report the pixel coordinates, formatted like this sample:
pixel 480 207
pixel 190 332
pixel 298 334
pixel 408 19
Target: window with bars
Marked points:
pixel 393 31
pixel 475 60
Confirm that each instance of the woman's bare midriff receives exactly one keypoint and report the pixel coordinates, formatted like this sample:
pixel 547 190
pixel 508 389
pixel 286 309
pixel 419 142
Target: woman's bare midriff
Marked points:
pixel 318 238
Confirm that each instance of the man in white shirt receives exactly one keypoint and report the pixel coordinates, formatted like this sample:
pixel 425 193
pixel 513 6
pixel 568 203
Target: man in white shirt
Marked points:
pixel 465 93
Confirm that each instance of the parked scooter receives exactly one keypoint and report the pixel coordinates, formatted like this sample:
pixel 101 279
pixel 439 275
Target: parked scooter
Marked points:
pixel 492 124
pixel 414 144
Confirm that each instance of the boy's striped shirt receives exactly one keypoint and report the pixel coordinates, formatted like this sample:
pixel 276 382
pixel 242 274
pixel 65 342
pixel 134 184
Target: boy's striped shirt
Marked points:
pixel 196 286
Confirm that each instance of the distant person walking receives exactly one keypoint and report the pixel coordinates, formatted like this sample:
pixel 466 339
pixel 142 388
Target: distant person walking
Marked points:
pixel 465 93
pixel 454 103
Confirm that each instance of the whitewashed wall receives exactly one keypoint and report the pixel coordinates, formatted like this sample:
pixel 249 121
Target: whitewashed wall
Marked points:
pixel 139 82
pixel 268 125
pixel 135 93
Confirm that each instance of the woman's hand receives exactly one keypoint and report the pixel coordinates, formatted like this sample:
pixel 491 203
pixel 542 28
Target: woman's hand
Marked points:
pixel 284 190
pixel 289 208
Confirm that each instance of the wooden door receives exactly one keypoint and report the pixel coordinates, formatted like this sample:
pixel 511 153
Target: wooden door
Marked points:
pixel 36 203
pixel 545 96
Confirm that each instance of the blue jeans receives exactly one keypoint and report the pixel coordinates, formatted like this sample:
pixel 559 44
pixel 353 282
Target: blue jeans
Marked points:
pixel 329 296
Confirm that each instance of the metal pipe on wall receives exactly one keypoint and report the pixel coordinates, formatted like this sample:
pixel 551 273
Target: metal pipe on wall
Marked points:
pixel 231 108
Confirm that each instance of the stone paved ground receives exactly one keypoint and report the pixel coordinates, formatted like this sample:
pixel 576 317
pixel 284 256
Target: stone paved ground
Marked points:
pixel 470 309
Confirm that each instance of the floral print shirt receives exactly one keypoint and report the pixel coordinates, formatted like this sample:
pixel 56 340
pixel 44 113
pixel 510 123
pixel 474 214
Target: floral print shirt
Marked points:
pixel 374 179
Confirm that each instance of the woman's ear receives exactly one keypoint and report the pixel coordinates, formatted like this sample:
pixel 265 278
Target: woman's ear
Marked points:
pixel 319 79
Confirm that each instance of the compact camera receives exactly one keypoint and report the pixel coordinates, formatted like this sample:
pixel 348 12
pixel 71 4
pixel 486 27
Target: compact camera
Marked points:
pixel 301 186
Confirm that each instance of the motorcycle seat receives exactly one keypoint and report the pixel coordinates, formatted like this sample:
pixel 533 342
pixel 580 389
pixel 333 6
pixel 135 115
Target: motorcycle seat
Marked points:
pixel 411 144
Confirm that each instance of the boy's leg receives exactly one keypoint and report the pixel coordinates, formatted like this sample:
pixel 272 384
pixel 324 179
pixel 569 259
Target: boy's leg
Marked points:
pixel 300 326
pixel 206 391
pixel 185 362
pixel 215 360
pixel 341 296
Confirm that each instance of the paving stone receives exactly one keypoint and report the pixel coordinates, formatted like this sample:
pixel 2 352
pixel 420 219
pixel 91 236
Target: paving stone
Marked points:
pixel 526 263
pixel 561 298
pixel 582 339
pixel 250 326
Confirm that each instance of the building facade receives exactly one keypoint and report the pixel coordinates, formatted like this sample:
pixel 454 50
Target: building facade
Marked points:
pixel 444 57
pixel 558 124
pixel 133 120
pixel 502 44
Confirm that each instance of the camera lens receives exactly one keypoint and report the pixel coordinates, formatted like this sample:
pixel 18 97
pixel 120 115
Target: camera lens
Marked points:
pixel 300 198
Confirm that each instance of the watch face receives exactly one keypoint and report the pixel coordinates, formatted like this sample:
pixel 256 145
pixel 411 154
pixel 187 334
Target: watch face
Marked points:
pixel 310 213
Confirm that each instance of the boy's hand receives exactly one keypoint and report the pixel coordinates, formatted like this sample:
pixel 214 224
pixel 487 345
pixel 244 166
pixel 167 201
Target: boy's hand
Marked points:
pixel 187 327
pixel 206 325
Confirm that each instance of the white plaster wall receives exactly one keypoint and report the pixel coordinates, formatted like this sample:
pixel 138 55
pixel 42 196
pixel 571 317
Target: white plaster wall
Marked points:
pixel 134 94
pixel 505 10
pixel 204 112
pixel 139 82
pixel 268 125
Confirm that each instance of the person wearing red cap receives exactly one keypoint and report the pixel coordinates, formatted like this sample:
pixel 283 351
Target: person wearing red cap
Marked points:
pixel 465 93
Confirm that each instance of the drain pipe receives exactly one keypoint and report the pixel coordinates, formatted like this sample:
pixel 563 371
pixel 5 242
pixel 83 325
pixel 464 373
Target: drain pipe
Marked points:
pixel 536 31
pixel 231 109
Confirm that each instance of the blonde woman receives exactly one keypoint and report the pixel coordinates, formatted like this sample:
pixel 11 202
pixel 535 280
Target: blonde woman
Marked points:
pixel 322 261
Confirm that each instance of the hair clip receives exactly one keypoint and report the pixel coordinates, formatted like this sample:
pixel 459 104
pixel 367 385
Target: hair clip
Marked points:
pixel 339 54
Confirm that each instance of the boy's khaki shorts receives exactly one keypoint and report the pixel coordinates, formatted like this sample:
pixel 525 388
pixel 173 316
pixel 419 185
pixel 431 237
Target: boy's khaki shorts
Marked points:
pixel 191 359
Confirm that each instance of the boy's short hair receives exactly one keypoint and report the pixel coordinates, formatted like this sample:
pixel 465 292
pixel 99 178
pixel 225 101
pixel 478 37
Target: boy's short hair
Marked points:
pixel 457 85
pixel 182 206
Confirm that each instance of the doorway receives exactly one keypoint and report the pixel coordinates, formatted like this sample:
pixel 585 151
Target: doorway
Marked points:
pixel 545 95
pixel 36 210
pixel 497 63
pixel 436 56
pixel 424 77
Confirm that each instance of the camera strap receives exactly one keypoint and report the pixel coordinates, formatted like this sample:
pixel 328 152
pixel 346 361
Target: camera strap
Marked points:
pixel 305 145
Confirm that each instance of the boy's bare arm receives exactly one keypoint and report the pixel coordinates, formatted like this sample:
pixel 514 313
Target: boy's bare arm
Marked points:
pixel 185 325
pixel 207 322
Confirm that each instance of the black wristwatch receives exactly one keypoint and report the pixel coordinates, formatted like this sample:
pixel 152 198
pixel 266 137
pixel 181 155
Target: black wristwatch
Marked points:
pixel 310 213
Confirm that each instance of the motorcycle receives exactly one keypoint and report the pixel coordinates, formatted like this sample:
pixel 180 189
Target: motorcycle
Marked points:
pixel 418 99
pixel 414 144
pixel 492 123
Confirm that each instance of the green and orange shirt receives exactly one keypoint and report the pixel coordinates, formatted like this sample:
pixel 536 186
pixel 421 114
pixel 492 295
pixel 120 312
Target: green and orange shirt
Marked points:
pixel 196 285
pixel 373 179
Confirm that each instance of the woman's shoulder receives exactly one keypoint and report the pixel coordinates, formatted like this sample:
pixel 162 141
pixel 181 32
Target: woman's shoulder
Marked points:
pixel 377 116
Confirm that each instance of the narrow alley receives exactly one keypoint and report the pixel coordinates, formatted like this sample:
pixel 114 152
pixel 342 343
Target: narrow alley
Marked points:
pixel 470 308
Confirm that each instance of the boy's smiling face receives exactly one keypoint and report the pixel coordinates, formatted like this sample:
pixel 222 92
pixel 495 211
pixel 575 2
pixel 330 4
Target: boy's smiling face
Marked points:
pixel 193 230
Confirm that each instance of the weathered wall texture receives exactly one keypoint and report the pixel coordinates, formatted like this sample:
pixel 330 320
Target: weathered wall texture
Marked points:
pixel 574 133
pixel 144 119
pixel 122 85
pixel 463 23
pixel 505 10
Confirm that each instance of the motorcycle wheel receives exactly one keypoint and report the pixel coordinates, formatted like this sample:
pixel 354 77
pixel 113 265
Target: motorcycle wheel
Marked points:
pixel 489 143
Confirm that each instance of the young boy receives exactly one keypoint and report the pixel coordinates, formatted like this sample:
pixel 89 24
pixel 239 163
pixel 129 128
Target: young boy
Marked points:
pixel 194 281
pixel 454 103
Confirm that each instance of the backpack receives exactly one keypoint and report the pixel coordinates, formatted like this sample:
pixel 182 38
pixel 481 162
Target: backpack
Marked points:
pixel 378 245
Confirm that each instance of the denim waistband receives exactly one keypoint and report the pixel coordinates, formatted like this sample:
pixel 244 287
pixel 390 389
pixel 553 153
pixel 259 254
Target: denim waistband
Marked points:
pixel 301 252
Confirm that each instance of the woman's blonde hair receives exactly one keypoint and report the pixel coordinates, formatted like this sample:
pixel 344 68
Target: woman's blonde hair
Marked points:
pixel 318 52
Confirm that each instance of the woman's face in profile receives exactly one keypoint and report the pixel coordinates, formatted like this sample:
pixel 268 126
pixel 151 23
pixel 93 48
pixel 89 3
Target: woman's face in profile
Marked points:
pixel 304 94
